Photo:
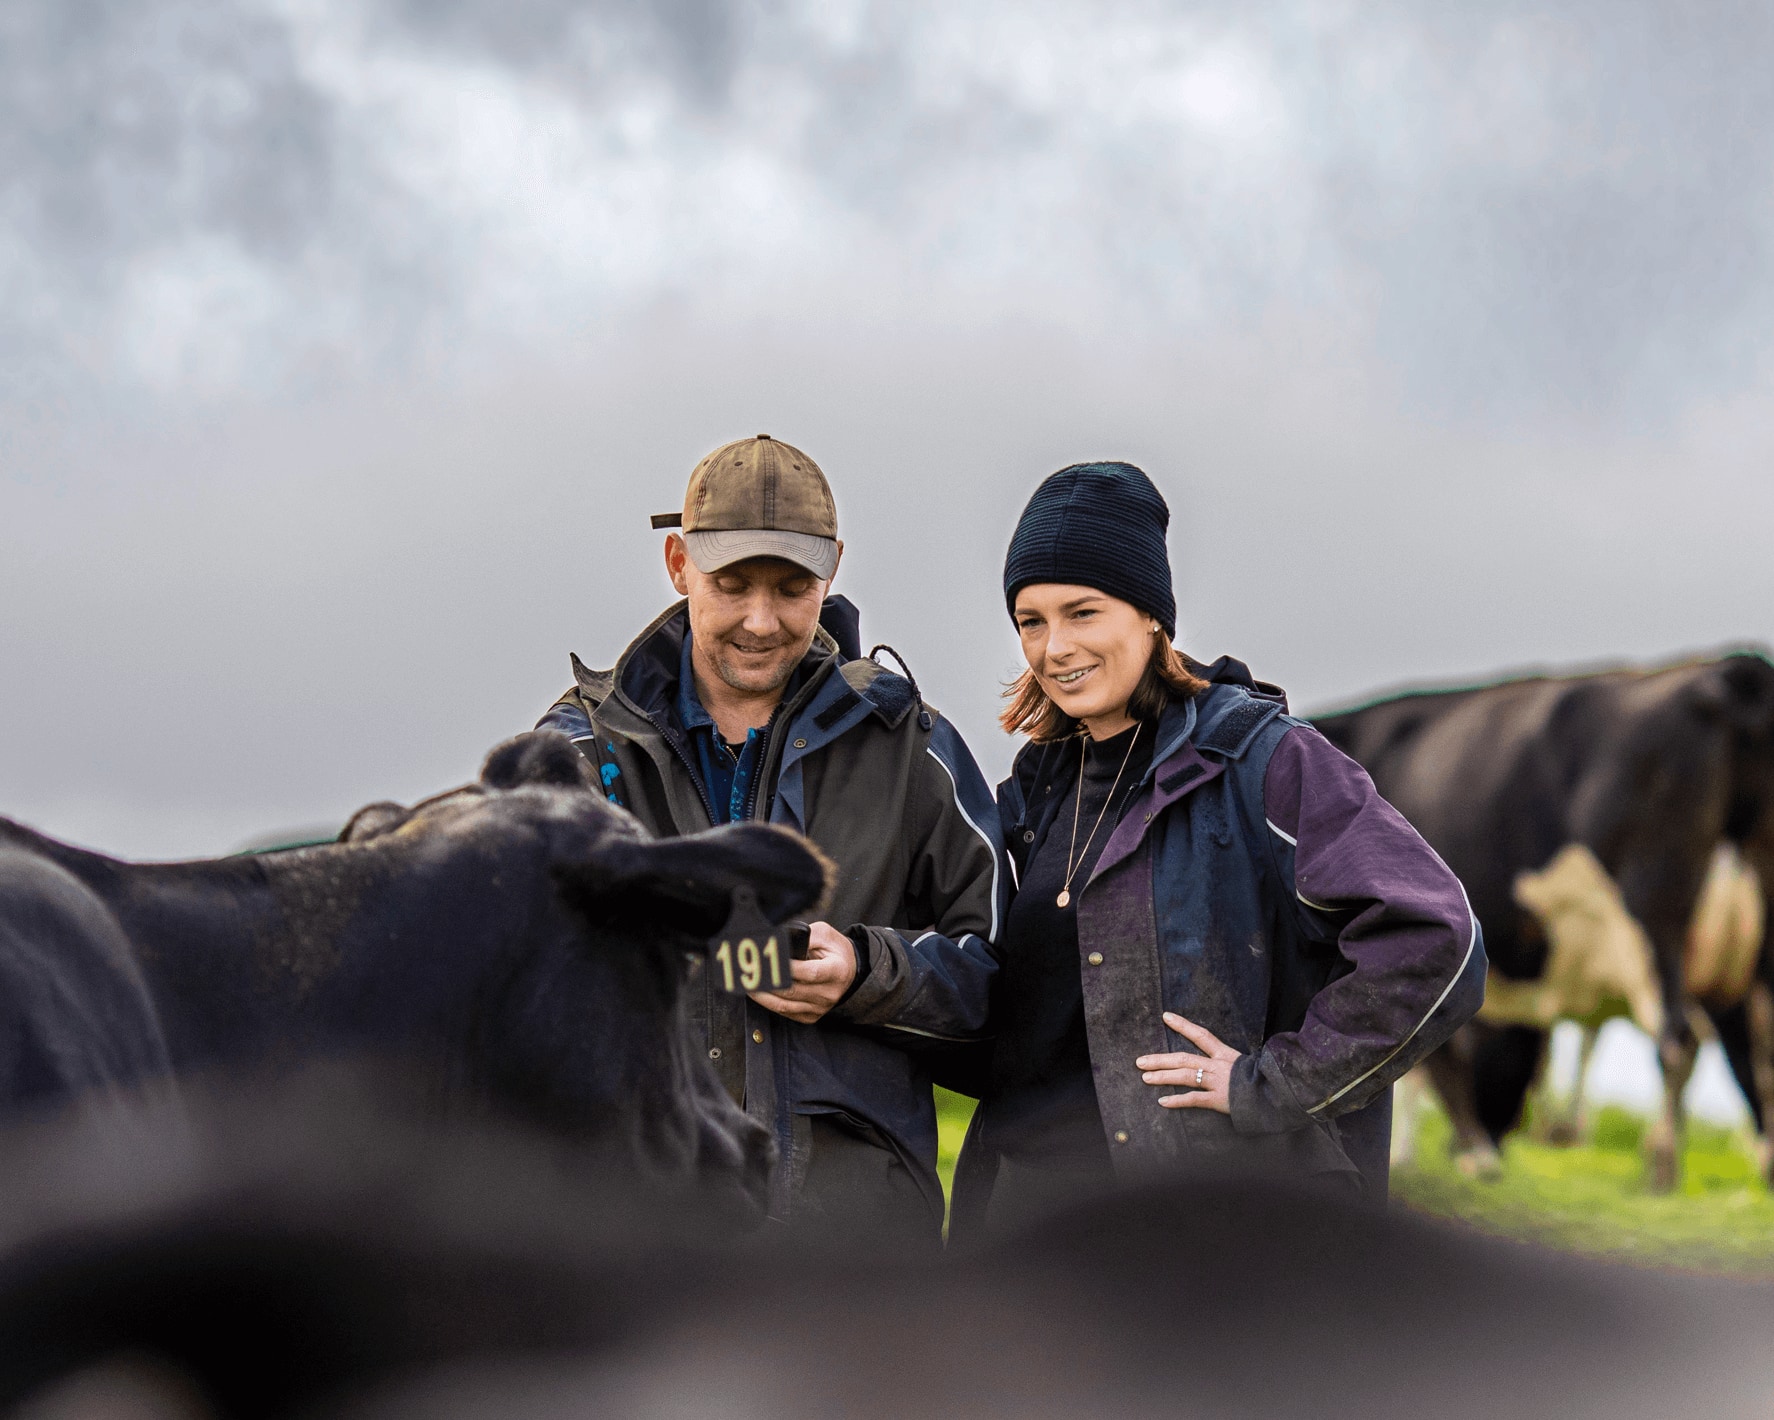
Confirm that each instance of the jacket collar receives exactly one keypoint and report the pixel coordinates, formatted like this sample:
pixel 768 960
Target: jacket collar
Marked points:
pixel 1175 726
pixel 646 678
pixel 1197 738
pixel 1220 721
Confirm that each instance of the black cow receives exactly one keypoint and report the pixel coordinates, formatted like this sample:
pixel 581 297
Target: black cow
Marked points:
pixel 518 944
pixel 1650 769
pixel 314 1258
pixel 76 1019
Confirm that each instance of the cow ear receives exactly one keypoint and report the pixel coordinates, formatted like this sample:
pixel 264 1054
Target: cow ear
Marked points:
pixel 685 885
pixel 1740 691
pixel 372 821
pixel 538 757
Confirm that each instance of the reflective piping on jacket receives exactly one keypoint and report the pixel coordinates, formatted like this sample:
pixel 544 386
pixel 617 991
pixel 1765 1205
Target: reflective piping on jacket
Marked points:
pixel 1295 843
pixel 992 849
pixel 929 1034
pixel 1471 942
pixel 958 940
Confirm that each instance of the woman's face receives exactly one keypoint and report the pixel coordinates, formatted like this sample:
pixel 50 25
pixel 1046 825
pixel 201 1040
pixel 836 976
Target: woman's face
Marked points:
pixel 1088 650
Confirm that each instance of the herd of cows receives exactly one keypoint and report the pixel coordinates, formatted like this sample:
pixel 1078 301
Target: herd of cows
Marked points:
pixel 410 1124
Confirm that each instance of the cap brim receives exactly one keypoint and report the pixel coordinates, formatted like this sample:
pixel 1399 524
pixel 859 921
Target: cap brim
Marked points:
pixel 711 551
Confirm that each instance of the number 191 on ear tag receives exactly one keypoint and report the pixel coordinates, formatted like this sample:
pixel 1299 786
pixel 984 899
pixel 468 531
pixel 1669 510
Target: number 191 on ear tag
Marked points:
pixel 749 954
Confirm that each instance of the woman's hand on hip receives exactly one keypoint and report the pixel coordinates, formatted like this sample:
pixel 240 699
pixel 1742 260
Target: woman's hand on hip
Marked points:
pixel 1207 1075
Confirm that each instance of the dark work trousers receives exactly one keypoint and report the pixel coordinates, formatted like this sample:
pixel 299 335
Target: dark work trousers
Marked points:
pixel 1026 1191
pixel 859 1193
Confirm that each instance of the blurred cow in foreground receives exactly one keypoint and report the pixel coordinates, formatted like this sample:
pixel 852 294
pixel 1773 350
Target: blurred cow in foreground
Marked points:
pixel 317 1255
pixel 517 946
pixel 1548 794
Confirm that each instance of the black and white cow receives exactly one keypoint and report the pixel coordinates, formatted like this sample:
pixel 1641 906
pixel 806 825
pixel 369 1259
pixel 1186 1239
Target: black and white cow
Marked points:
pixel 1648 770
pixel 517 945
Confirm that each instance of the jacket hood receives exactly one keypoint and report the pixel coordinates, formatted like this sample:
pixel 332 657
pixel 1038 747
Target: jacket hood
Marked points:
pixel 1229 670
pixel 645 676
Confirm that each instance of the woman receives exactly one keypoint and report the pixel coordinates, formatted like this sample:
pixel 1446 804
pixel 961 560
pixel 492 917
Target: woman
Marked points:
pixel 1225 946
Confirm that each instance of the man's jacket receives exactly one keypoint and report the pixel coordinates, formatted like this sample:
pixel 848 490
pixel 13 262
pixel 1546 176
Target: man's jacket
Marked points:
pixel 886 787
pixel 1257 884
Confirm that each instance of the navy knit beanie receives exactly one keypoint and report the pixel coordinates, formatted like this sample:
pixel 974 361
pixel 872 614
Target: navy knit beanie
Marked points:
pixel 1096 525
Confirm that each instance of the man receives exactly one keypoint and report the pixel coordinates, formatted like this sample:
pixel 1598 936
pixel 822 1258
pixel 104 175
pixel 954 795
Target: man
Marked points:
pixel 737 703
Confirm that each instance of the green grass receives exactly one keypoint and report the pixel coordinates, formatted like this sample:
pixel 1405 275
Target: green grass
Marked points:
pixel 952 1115
pixel 1590 1198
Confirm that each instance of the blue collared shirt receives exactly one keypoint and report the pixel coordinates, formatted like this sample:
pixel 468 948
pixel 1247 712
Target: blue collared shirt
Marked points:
pixel 726 776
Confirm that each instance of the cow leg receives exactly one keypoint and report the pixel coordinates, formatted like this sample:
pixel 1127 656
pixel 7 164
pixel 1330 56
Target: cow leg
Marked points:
pixel 1731 1025
pixel 1577 1106
pixel 1546 1116
pixel 1677 1048
pixel 1557 1115
pixel 1407 1108
pixel 1676 1051
pixel 1760 1010
pixel 1450 1071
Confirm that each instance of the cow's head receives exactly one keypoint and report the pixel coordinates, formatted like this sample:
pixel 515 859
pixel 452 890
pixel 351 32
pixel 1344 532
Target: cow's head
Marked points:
pixel 589 1033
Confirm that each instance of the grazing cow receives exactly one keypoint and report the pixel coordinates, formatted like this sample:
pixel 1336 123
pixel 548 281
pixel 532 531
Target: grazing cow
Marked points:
pixel 1650 770
pixel 1599 962
pixel 319 1259
pixel 519 944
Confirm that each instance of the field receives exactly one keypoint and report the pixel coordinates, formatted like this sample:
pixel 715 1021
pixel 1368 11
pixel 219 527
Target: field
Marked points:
pixel 1590 1198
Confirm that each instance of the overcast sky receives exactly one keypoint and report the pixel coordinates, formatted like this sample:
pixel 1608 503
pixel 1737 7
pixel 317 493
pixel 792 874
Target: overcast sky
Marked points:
pixel 344 350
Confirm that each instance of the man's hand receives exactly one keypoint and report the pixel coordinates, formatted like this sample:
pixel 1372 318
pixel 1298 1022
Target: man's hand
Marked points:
pixel 820 981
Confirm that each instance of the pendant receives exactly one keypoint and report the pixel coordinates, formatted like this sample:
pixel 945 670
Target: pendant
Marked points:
pixel 1064 897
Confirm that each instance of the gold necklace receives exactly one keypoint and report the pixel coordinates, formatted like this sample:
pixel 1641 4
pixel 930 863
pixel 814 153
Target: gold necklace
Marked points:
pixel 1073 857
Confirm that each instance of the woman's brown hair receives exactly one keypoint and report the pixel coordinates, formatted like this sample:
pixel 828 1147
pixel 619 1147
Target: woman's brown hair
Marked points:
pixel 1167 678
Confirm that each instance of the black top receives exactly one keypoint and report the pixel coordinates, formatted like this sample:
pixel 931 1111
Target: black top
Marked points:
pixel 1043 1099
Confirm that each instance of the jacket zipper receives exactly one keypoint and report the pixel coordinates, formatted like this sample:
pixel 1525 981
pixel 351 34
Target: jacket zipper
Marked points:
pixel 750 807
pixel 689 765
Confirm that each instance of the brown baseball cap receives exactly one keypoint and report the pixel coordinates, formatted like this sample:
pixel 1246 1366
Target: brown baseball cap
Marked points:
pixel 758 498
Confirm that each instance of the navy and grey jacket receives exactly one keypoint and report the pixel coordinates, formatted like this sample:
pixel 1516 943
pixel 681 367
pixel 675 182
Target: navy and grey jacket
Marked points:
pixel 885 786
pixel 1257 884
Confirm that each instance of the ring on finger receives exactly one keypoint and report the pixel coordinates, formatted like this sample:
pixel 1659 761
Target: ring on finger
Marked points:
pixel 1200 1075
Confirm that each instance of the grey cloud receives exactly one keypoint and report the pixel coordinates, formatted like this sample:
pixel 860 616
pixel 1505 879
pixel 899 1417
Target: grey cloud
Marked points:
pixel 694 44
pixel 122 126
pixel 1548 211
pixel 1572 215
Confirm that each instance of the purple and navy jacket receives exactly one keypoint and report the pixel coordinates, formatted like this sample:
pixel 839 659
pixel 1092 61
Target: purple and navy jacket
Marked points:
pixel 1258 884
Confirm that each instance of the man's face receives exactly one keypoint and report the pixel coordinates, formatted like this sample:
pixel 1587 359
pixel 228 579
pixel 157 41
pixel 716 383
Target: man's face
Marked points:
pixel 752 621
